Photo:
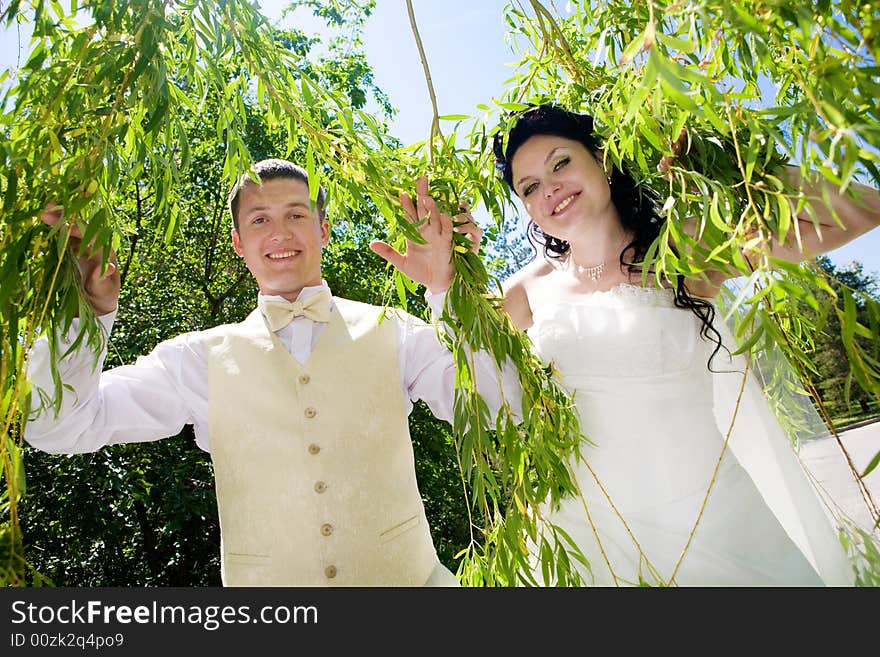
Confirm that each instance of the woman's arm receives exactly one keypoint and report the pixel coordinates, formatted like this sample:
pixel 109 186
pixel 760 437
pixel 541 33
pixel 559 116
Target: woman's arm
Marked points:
pixel 832 219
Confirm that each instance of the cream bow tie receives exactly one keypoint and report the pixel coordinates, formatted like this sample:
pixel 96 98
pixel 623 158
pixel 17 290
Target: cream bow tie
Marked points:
pixel 280 313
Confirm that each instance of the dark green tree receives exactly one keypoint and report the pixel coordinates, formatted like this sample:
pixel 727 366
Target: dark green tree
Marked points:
pixel 843 395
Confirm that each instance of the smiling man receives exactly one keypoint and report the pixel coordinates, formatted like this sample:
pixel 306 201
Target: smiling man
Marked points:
pixel 303 405
pixel 276 230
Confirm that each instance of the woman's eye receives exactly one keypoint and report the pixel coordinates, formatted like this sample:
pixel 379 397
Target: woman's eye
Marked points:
pixel 561 163
pixel 528 189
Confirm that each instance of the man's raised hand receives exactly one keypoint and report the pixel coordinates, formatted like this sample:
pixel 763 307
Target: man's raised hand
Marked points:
pixel 101 289
pixel 431 263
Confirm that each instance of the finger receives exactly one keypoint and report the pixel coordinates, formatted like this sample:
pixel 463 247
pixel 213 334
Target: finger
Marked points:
pixel 665 161
pixel 681 142
pixel 465 215
pixel 441 222
pixel 465 224
pixel 52 214
pixel 475 240
pixel 423 197
pixel 97 276
pixel 463 219
pixel 388 252
pixel 409 208
pixel 475 233
pixel 677 147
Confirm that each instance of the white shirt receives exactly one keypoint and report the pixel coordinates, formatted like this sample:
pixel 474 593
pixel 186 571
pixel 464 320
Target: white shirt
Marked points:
pixel 168 388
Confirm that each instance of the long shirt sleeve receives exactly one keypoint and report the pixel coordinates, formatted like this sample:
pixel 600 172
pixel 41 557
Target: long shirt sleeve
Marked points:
pixel 166 389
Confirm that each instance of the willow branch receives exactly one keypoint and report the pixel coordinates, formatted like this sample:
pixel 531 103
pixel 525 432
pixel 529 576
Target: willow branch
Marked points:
pixel 435 121
pixel 558 38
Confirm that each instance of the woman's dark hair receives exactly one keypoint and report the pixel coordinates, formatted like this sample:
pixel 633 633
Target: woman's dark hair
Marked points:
pixel 636 204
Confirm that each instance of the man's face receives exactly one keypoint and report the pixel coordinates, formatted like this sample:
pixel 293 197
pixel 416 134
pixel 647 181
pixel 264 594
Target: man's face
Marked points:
pixel 280 237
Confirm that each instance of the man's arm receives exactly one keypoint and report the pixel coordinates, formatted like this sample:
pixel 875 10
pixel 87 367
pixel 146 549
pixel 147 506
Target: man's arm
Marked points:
pixel 429 373
pixel 427 367
pixel 152 399
pixel 149 400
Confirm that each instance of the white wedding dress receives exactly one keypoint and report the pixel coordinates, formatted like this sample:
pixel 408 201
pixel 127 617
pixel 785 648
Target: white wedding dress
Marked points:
pixel 657 418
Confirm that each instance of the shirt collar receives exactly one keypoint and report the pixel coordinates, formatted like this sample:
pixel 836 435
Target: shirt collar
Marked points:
pixel 304 294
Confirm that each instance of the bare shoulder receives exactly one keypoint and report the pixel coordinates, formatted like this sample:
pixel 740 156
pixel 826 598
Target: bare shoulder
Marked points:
pixel 518 288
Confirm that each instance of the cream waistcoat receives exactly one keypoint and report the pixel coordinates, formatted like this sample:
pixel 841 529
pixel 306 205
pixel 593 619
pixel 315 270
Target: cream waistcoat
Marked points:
pixel 313 463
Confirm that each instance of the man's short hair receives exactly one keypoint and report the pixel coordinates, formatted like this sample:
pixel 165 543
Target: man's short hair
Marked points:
pixel 271 169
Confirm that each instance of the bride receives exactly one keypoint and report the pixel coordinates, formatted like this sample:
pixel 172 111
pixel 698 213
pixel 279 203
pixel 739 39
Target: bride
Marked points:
pixel 665 497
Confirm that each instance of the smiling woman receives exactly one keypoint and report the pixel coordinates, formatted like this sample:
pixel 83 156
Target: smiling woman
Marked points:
pixel 663 498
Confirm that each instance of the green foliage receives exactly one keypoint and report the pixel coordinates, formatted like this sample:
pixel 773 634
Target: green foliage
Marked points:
pixel 839 391
pixel 141 119
pixel 126 515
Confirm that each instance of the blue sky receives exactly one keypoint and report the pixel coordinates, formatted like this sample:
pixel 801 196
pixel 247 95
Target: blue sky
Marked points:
pixel 469 60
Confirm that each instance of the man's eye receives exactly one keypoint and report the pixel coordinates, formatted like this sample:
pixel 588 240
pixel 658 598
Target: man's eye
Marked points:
pixel 561 163
pixel 528 189
pixel 258 220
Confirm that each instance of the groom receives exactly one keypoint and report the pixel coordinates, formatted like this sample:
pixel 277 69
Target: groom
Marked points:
pixel 303 406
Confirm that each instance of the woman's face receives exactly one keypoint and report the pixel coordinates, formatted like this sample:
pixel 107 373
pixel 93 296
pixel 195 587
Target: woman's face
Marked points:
pixel 560 183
